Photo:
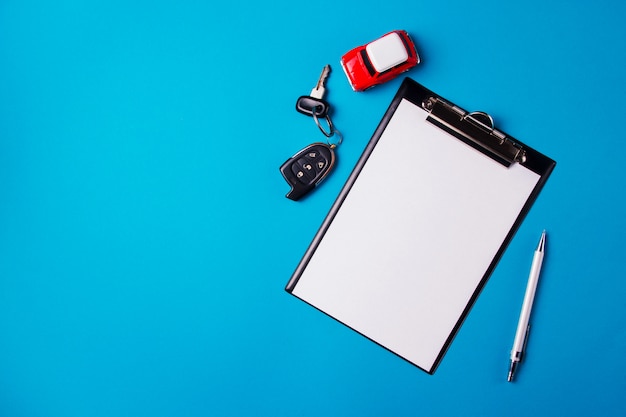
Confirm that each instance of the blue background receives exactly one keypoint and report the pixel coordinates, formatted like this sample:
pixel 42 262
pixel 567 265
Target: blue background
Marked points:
pixel 145 240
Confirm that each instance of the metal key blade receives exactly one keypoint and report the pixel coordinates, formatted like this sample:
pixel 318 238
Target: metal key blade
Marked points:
pixel 320 89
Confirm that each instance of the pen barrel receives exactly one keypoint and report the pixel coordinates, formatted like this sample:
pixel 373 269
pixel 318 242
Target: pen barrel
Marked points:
pixel 529 296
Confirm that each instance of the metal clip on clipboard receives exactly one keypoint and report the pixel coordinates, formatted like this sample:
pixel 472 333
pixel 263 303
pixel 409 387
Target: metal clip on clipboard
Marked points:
pixel 474 128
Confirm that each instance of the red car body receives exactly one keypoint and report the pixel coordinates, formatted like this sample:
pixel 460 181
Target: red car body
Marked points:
pixel 380 61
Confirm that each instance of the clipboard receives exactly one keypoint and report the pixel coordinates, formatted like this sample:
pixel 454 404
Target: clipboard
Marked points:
pixel 420 225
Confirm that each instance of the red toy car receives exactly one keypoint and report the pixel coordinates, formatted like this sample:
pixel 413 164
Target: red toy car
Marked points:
pixel 380 61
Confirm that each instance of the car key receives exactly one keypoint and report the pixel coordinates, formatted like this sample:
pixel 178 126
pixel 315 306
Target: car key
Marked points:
pixel 315 101
pixel 307 168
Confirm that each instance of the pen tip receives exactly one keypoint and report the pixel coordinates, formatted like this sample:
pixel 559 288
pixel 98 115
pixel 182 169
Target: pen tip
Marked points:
pixel 512 368
pixel 542 241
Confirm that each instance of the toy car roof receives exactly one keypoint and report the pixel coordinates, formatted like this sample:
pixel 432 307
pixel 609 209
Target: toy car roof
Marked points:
pixel 387 52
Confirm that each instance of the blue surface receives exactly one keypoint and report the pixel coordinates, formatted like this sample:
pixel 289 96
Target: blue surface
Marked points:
pixel 145 239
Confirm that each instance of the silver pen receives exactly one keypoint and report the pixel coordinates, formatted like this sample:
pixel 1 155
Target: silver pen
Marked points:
pixel 521 335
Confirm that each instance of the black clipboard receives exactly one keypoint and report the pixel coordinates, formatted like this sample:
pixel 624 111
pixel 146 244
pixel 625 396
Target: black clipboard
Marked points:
pixel 420 225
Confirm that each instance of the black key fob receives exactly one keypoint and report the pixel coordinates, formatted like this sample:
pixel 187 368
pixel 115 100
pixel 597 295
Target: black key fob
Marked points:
pixel 307 168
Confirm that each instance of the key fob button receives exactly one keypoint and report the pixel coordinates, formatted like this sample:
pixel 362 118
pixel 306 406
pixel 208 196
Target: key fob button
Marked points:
pixel 303 174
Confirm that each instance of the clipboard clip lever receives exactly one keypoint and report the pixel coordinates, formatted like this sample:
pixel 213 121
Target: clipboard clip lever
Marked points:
pixel 474 128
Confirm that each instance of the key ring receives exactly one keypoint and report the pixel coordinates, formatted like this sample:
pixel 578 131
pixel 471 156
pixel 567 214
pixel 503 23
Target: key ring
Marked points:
pixel 332 129
pixel 330 124
pixel 338 142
